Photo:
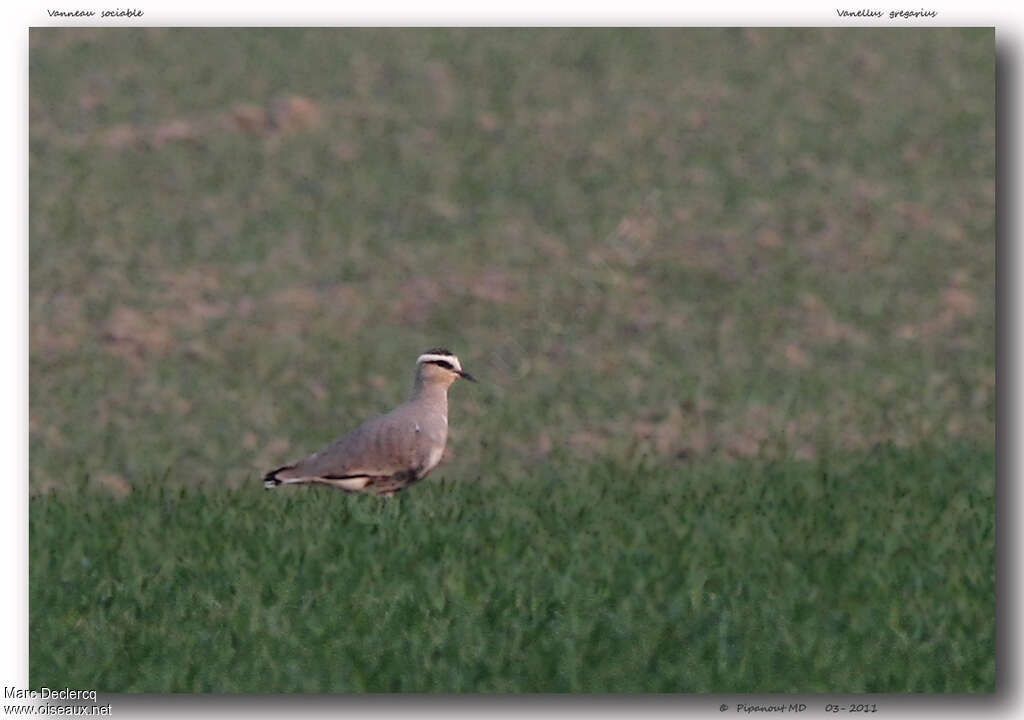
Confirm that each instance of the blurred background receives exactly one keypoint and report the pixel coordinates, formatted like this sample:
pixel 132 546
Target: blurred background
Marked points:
pixel 671 244
pixel 729 293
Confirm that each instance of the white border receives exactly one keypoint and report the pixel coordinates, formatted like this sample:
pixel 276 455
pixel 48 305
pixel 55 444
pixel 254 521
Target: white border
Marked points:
pixel 14 263
pixel 524 13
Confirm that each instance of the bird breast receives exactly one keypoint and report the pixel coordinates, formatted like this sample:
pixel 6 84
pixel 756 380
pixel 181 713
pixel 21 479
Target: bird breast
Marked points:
pixel 433 458
pixel 432 434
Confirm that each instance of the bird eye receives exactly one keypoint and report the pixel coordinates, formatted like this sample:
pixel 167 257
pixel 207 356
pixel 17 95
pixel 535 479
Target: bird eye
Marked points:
pixel 444 363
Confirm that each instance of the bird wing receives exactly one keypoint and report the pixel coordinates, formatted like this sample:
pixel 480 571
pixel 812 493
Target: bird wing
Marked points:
pixel 382 446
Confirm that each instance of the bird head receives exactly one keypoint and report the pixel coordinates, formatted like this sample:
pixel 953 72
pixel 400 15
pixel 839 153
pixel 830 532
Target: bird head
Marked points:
pixel 439 365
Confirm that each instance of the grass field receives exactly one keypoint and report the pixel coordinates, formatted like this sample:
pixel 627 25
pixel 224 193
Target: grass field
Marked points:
pixel 727 578
pixel 730 294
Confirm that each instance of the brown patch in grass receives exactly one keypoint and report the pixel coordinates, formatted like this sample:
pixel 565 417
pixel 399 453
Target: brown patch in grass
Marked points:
pixel 297 299
pixel 114 483
pixel 753 429
pixel 487 121
pixel 41 484
pixel 588 443
pixel 729 256
pixel 689 429
pixel 286 114
pixel 958 302
pixel 553 246
pixel 920 217
pixel 543 447
pixel 439 75
pixel 769 238
pixel 346 151
pixel 821 324
pixel 378 382
pixel 134 336
pixel 765 431
pixel 174 131
pixel 444 207
pixel 52 435
pixel 274 454
pixel 417 298
pixel 644 119
pixel 120 136
pixel 293 113
pixel 58 326
pixel 664 436
pixel 188 302
pixel 282 115
pixel 317 390
pixel 685 430
pixel 644 315
pixel 193 298
pixel 93 97
pixel 955 304
pixel 494 286
pixel 796 357
pixel 755 38
pixel 294 310
pixel 679 432
pixel 634 236
pixel 247 118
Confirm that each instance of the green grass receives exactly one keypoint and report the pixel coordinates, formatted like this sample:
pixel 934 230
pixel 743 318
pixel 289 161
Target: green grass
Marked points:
pixel 687 265
pixel 786 578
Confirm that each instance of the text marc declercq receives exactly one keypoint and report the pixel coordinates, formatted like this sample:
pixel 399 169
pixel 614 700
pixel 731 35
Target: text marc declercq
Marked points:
pixel 46 693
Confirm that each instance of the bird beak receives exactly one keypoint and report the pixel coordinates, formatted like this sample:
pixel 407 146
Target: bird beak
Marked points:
pixel 463 373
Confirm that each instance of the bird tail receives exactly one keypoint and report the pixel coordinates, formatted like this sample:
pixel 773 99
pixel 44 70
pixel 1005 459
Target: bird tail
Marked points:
pixel 271 479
